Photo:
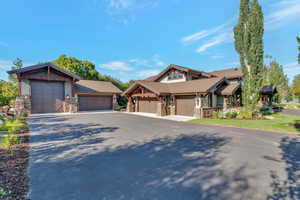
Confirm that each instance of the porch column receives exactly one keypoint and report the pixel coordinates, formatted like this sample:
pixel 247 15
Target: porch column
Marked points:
pixel 198 107
pixel 173 105
pixel 136 108
pixel 129 105
pixel 225 101
pixel 161 109
pixel 115 101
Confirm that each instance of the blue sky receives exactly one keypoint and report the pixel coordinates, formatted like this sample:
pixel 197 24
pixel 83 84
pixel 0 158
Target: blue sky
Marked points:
pixel 133 39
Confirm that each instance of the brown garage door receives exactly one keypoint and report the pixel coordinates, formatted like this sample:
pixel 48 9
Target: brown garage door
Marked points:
pixel 185 105
pixel 88 103
pixel 47 96
pixel 148 105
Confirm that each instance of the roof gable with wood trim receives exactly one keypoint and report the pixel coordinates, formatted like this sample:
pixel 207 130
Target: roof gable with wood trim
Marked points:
pixel 48 66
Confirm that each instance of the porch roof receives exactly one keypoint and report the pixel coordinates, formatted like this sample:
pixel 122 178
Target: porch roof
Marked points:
pixel 229 89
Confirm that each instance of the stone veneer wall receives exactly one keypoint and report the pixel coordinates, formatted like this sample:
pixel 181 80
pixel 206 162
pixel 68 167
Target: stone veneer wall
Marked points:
pixel 23 105
pixel 71 105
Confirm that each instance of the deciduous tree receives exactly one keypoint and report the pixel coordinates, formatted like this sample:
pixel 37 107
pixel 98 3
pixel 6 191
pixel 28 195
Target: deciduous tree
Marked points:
pixel 8 92
pixel 275 77
pixel 296 87
pixel 248 34
pixel 84 69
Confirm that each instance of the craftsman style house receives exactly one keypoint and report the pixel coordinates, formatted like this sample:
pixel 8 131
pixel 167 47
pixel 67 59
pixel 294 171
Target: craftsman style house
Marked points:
pixel 46 88
pixel 183 91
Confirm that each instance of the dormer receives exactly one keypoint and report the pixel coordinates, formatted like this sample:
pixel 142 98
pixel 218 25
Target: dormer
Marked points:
pixel 175 73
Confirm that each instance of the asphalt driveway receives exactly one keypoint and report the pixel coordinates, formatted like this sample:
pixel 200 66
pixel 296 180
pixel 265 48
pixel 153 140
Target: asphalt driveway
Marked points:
pixel 116 156
pixel 291 112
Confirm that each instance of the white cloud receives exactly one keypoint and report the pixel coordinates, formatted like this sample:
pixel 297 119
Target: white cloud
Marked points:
pixel 233 63
pixel 157 61
pixel 120 4
pixel 116 65
pixel 202 34
pixel 285 11
pixel 153 61
pixel 293 64
pixel 217 56
pixel 5 64
pixel 146 73
pixel 291 70
pixel 140 62
pixel 219 39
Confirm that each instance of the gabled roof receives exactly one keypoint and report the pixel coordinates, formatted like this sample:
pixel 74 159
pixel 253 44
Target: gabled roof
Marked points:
pixel 228 73
pixel 268 90
pixel 229 89
pixel 89 86
pixel 194 86
pixel 43 65
pixel 180 68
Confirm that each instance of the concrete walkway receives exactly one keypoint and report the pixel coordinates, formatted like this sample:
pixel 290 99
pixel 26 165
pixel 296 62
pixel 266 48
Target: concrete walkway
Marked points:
pixel 178 118
pixel 118 156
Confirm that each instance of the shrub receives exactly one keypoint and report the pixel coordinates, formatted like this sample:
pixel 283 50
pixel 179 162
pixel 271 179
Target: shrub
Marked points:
pixel 217 115
pixel 266 111
pixel 231 114
pixel 2 192
pixel 245 114
pixel 8 141
pixel 119 108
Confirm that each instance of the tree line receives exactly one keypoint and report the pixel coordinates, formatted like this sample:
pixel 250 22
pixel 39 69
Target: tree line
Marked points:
pixel 248 36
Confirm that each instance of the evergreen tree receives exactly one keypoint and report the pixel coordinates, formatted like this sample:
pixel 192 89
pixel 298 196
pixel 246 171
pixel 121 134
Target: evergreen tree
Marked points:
pixel 17 64
pixel 248 34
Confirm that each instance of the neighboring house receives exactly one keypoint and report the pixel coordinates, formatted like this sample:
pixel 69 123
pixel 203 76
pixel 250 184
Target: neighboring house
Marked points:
pixel 183 91
pixel 46 88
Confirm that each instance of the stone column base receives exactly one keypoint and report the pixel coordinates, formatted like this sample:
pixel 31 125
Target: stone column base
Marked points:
pixel 115 102
pixel 172 110
pixel 71 105
pixel 197 112
pixel 161 111
pixel 23 105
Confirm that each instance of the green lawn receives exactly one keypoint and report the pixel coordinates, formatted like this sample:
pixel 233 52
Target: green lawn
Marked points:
pixel 281 123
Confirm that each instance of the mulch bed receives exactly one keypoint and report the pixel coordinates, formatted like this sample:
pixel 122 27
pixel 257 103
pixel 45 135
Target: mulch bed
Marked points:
pixel 13 170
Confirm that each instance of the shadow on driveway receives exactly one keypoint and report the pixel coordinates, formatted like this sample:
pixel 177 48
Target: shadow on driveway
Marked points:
pixel 289 188
pixel 187 167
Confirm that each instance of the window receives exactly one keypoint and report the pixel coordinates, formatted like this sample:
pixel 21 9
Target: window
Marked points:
pixel 175 75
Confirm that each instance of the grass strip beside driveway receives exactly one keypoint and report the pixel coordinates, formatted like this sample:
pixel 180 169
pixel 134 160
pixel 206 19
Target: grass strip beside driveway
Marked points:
pixel 280 123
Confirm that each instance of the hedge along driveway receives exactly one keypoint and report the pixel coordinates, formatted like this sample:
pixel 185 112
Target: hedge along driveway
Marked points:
pixel 121 156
